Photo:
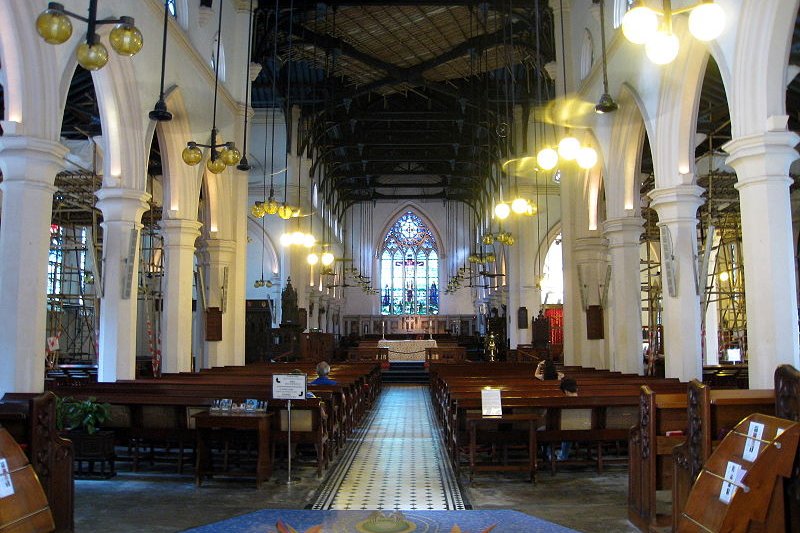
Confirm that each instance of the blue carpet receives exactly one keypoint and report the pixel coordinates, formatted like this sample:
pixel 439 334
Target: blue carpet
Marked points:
pixel 302 521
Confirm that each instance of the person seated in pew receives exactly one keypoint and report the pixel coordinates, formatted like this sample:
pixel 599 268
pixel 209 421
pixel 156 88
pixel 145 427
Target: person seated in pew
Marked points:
pixel 546 371
pixel 323 369
pixel 570 388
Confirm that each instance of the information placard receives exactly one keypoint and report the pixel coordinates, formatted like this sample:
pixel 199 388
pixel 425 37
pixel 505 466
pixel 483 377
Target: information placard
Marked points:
pixel 491 404
pixel 289 386
pixel 6 486
pixel 753 443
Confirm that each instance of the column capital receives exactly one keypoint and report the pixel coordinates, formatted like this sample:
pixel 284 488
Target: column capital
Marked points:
pixel 762 157
pixel 31 159
pixel 122 205
pixel 585 246
pixel 220 246
pixel 678 203
pixel 175 227
pixel 623 231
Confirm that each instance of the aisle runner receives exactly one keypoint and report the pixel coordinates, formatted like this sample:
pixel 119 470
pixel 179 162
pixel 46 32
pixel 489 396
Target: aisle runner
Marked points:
pixel 396 462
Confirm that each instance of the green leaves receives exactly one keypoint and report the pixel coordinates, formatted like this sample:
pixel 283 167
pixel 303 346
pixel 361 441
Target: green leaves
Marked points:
pixel 81 414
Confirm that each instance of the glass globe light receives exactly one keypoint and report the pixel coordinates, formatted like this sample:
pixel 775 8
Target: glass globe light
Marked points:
pixel 231 156
pixel 724 276
pixel 215 166
pixel 510 241
pixel 257 210
pixel 488 239
pixel 54 26
pixel 639 24
pixel 327 259
pixel 502 210
pixel 568 147
pixel 662 48
pixel 547 158
pixel 472 258
pixel 491 258
pixel 312 259
pixel 285 212
pixel 532 210
pixel 519 205
pixel 309 240
pixel 707 21
pixel 298 237
pixel 192 155
pixel 125 38
pixel 587 157
pixel 271 207
pixel 92 56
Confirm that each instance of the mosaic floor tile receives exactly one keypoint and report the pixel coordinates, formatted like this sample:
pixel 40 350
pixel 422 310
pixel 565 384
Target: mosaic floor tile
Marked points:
pixel 394 461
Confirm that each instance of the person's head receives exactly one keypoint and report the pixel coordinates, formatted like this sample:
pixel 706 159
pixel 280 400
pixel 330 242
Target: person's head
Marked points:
pixel 569 387
pixel 323 368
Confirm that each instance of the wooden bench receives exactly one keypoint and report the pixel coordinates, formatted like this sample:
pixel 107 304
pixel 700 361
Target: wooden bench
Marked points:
pixel 25 508
pixel 31 420
pixel 701 416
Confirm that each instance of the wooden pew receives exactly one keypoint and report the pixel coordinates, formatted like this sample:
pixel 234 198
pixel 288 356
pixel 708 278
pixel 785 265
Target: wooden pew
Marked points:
pixel 702 415
pixel 327 418
pixel 24 509
pixel 31 419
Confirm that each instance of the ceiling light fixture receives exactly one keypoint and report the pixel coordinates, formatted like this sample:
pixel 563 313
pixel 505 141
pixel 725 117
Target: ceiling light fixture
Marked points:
pixel 606 103
pixel 641 25
pixel 222 155
pixel 54 26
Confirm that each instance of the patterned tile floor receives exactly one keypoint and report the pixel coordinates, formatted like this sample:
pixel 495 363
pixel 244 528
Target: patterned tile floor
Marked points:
pixel 396 460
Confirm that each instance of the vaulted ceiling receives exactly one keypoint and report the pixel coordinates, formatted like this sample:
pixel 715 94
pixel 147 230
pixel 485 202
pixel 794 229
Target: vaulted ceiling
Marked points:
pixel 403 99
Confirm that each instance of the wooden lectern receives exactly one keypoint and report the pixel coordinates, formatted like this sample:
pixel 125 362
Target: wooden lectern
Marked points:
pixel 23 505
pixel 740 488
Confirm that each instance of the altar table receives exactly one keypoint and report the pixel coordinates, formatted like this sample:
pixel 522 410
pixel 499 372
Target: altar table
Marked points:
pixel 412 350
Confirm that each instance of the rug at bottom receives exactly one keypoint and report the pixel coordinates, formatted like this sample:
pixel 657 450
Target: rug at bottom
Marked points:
pixel 302 521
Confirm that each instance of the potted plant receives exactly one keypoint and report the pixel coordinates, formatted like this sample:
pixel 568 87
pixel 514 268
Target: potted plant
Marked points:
pixel 80 421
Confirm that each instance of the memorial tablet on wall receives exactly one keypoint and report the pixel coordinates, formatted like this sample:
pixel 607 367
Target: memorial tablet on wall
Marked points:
pixel 213 324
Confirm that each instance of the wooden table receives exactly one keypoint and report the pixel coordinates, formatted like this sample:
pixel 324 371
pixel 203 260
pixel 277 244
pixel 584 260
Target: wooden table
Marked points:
pixel 475 420
pixel 207 422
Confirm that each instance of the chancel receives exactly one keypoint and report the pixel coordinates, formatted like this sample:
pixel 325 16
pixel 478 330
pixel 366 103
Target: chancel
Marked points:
pixel 431 197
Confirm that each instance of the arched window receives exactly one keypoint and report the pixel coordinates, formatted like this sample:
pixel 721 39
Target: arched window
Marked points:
pixel 409 269
pixel 620 8
pixel 552 285
pixel 587 54
pixel 221 70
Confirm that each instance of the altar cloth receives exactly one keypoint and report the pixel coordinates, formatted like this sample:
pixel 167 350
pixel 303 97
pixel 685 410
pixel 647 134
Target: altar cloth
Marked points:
pixel 407 350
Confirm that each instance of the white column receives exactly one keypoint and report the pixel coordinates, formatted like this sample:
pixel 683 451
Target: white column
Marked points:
pixel 513 281
pixel 677 210
pixel 220 256
pixel 29 168
pixel 762 169
pixel 624 303
pixel 176 331
pixel 122 214
pixel 589 256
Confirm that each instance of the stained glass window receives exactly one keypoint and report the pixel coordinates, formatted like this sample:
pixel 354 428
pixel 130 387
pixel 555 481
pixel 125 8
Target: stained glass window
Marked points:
pixel 409 269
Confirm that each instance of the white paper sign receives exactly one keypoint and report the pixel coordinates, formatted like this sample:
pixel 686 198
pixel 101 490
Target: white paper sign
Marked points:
pixel 753 442
pixel 289 386
pixel 490 402
pixel 734 473
pixel 6 486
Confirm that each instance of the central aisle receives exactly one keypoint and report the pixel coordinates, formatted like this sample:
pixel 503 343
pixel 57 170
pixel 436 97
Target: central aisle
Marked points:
pixel 396 460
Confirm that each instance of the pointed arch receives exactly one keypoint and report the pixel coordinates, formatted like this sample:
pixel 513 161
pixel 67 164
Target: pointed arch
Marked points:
pixel 181 182
pixel 377 239
pixel 627 141
pixel 409 260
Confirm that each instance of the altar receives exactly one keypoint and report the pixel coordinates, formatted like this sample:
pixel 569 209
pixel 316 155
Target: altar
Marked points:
pixel 412 350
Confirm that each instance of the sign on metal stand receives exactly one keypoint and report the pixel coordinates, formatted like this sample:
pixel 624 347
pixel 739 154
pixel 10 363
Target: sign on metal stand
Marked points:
pixel 289 387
